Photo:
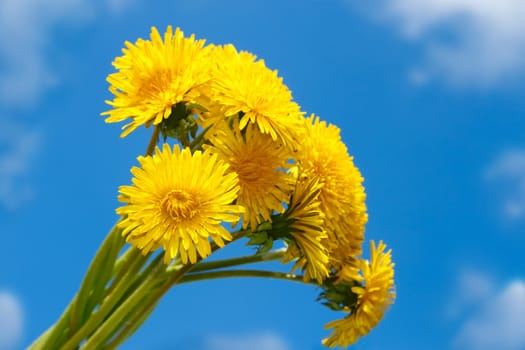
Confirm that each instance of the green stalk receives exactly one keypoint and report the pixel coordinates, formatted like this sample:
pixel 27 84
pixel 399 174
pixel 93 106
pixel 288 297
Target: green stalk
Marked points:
pixel 104 275
pixel 122 266
pixel 250 259
pixel 123 260
pixel 55 331
pixel 80 308
pixel 37 344
pixel 74 313
pixel 145 294
pixel 167 278
pixel 198 141
pixel 195 277
pixel 107 306
pixel 128 329
pixel 139 316
pixel 153 140
pixel 102 333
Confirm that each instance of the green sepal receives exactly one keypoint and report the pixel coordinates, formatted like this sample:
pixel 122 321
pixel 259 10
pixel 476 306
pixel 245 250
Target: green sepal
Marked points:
pixel 194 127
pixel 338 296
pixel 265 226
pixel 266 247
pixel 258 238
pixel 191 106
pixel 180 123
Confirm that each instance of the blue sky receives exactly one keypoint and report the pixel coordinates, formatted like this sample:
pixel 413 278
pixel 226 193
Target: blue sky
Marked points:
pixel 430 97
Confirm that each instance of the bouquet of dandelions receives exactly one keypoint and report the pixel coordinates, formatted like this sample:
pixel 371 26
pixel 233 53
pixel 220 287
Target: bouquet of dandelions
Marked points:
pixel 244 156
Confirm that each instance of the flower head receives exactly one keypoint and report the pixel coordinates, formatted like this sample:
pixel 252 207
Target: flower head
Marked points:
pixel 178 200
pixel 259 163
pixel 372 299
pixel 242 85
pixel 322 154
pixel 154 75
pixel 306 226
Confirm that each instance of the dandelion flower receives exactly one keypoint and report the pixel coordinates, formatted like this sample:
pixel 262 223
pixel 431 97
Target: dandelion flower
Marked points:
pixel 178 200
pixel 323 155
pixel 259 163
pixel 372 299
pixel 154 75
pixel 246 86
pixel 306 226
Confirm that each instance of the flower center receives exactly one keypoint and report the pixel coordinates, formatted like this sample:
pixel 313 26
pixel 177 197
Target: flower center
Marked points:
pixel 249 171
pixel 255 170
pixel 180 205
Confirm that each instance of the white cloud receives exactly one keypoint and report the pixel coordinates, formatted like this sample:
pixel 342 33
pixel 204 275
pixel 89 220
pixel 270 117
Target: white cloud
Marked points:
pixel 468 42
pixel 25 33
pixel 418 76
pixel 18 149
pixel 474 286
pixel 11 321
pixel 508 174
pixel 499 324
pixel 471 288
pixel 26 30
pixel 119 6
pixel 256 341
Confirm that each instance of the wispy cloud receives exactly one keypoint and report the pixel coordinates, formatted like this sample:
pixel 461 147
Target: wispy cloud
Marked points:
pixel 478 43
pixel 26 37
pixel 11 321
pixel 255 341
pixel 472 288
pixel 507 173
pixel 120 6
pixel 18 149
pixel 25 33
pixel 499 322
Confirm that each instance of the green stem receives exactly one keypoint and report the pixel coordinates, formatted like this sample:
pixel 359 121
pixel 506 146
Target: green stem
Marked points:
pixel 168 277
pixel 143 299
pixel 104 275
pixel 115 318
pixel 194 277
pixel 107 306
pixel 74 313
pixel 122 266
pixel 250 259
pixel 176 266
pixel 37 344
pixel 128 329
pixel 140 315
pixel 198 141
pixel 153 140
pixel 124 259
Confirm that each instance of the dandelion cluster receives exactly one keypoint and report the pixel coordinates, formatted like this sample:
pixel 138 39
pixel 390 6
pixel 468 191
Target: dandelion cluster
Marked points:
pixel 246 155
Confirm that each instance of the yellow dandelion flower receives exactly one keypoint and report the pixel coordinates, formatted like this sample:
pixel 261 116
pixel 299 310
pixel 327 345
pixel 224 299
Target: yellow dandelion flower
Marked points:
pixel 372 299
pixel 349 271
pixel 259 162
pixel 246 86
pixel 307 229
pixel 178 200
pixel 322 154
pixel 154 75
